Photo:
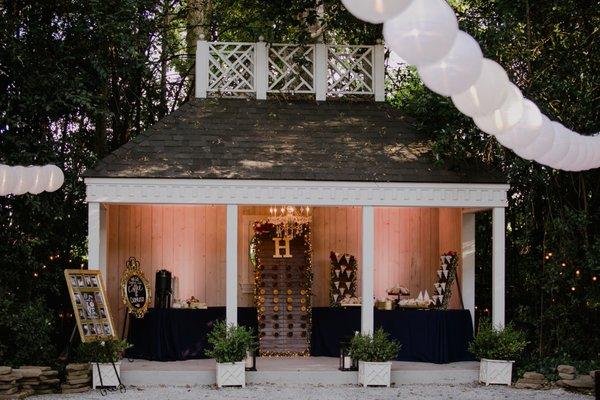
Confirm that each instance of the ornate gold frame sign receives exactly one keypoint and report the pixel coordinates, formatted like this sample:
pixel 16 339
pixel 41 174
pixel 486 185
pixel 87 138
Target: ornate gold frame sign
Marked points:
pixel 90 306
pixel 135 288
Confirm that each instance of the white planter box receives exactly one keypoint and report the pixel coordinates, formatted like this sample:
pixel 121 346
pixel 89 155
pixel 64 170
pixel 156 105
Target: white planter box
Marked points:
pixel 231 374
pixel 110 377
pixel 495 372
pixel 374 373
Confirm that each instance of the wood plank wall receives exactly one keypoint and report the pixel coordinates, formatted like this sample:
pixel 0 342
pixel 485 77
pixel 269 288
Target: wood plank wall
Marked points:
pixel 190 242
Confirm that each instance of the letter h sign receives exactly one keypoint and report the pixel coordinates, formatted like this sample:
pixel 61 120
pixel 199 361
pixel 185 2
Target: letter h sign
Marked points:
pixel 285 246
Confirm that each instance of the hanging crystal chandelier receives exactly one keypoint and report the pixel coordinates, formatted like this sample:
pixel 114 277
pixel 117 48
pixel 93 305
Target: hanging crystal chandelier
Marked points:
pixel 289 220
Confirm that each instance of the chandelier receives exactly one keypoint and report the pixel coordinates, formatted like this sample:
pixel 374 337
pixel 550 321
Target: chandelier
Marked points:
pixel 289 220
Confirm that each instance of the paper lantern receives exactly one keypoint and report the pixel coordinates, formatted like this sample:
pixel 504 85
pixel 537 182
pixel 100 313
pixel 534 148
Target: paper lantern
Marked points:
pixel 584 154
pixel 8 180
pixel 560 147
pixel 568 161
pixel 457 71
pixel 56 177
pixel 506 116
pixel 423 33
pixel 40 181
pixel 540 145
pixel 376 11
pixel 486 94
pixel 527 129
pixel 24 179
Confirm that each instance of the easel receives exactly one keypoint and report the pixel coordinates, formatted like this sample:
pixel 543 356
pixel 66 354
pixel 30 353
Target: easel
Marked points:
pixel 125 320
pixel 103 390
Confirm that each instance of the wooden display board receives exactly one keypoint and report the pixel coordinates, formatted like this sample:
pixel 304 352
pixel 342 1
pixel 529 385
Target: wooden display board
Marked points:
pixel 283 280
pixel 90 305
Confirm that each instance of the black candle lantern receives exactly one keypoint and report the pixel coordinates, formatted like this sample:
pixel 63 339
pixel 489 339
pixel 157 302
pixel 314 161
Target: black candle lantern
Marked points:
pixel 346 361
pixel 250 360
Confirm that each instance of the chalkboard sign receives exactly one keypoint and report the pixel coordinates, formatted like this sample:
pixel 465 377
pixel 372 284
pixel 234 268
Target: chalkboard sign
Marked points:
pixel 135 288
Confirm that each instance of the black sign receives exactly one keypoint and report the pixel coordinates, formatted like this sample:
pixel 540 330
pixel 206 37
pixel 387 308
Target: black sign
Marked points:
pixel 136 292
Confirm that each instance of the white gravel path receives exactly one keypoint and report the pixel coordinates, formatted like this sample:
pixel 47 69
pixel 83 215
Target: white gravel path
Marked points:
pixel 308 392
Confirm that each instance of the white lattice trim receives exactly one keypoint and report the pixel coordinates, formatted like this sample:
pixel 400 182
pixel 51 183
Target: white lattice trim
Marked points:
pixel 231 374
pixel 291 68
pixel 231 67
pixel 350 69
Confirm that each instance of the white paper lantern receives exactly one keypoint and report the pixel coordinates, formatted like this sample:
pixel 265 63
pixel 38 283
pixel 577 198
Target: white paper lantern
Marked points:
pixel 8 180
pixel 40 181
pixel 24 179
pixel 56 177
pixel 506 116
pixel 560 147
pixel 486 94
pixel 423 33
pixel 592 160
pixel 376 11
pixel 527 129
pixel 568 162
pixel 584 154
pixel 457 71
pixel 540 145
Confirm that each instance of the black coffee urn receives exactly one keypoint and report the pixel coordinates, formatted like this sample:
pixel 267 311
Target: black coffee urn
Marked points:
pixel 163 289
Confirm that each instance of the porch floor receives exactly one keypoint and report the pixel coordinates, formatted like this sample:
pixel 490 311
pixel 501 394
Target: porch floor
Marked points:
pixel 297 370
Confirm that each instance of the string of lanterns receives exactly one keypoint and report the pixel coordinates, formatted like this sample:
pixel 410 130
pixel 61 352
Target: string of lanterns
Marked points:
pixel 19 180
pixel 425 33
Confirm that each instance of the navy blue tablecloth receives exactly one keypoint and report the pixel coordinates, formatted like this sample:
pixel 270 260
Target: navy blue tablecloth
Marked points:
pixel 436 336
pixel 178 334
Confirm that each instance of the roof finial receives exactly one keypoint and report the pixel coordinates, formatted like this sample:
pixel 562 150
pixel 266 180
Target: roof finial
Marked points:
pixel 261 38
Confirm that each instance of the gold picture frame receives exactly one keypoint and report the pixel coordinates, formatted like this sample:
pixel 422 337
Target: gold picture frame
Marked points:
pixel 135 289
pixel 90 305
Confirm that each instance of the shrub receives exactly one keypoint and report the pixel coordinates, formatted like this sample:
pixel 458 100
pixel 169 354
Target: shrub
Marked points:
pixel 101 351
pixel 498 344
pixel 376 348
pixel 229 343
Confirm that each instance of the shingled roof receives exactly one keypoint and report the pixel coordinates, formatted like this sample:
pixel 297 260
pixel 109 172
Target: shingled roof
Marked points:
pixel 283 140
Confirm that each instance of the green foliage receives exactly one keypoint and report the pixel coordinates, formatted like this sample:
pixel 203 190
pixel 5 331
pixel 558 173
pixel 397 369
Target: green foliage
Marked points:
pixel 374 348
pixel 26 333
pixel 498 344
pixel 229 343
pixel 101 351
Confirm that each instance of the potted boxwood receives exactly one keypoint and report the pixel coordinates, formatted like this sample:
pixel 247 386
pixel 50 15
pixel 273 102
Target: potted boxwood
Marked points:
pixel 229 345
pixel 497 350
pixel 105 357
pixel 374 353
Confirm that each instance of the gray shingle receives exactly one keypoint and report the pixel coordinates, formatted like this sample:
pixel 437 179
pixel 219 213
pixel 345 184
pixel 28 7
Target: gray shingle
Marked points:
pixel 275 139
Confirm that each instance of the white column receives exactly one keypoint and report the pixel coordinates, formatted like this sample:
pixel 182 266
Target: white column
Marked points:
pixel 379 72
pixel 498 267
pixel 320 76
pixel 97 238
pixel 231 273
pixel 367 321
pixel 467 283
pixel 202 54
pixel 261 69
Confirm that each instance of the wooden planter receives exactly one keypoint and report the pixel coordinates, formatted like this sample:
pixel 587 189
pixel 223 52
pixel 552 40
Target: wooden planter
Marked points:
pixel 374 373
pixel 110 374
pixel 495 372
pixel 231 374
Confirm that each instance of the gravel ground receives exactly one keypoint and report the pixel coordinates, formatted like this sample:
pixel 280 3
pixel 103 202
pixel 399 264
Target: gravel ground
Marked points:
pixel 308 392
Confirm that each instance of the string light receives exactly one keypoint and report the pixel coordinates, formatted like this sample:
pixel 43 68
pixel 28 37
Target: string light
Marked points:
pixel 35 274
pixel 564 264
pixel 577 272
pixel 573 288
pixel 594 278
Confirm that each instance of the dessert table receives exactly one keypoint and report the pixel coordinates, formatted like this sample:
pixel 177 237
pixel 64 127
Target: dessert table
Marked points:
pixel 435 336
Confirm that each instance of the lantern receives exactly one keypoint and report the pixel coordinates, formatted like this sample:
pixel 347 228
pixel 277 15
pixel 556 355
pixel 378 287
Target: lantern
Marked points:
pixel 560 147
pixel 346 361
pixel 524 132
pixel 376 11
pixel 457 71
pixel 506 116
pixel 423 33
pixel 250 360
pixel 541 144
pixel 486 94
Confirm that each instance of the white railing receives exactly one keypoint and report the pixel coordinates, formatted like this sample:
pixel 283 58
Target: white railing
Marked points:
pixel 237 69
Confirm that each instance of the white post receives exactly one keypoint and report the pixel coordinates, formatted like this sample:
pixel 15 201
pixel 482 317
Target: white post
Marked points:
pixel 498 267
pixel 367 321
pixel 320 75
pixel 202 54
pixel 97 238
pixel 379 72
pixel 468 263
pixel 231 273
pixel 261 69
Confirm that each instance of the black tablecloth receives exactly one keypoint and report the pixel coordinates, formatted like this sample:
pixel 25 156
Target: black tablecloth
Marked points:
pixel 178 334
pixel 426 335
